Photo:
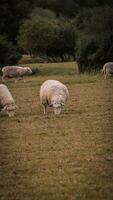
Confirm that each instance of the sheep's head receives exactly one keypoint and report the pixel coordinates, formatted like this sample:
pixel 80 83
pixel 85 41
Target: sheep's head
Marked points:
pixel 29 71
pixel 57 102
pixel 8 110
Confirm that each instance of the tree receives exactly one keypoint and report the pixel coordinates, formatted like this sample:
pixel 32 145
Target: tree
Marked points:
pixel 8 52
pixel 50 37
pixel 64 41
pixel 95 38
pixel 42 13
pixel 36 34
pixel 11 14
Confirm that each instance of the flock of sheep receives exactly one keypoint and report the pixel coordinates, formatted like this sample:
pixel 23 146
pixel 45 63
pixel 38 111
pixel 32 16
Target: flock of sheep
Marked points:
pixel 52 92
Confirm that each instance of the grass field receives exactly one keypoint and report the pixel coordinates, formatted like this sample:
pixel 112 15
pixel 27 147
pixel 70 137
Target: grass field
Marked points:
pixel 65 157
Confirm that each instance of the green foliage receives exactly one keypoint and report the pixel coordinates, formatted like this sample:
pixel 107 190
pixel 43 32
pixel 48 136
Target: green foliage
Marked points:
pixel 64 41
pixel 95 20
pixel 11 14
pixel 67 8
pixel 35 35
pixel 42 13
pixel 47 35
pixel 8 52
pixel 50 37
pixel 95 38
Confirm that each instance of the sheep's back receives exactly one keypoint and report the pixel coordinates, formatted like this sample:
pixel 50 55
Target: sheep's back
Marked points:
pixel 52 87
pixel 5 95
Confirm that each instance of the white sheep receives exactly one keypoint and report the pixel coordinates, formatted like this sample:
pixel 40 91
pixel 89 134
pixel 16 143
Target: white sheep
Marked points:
pixel 7 103
pixel 53 94
pixel 15 71
pixel 107 69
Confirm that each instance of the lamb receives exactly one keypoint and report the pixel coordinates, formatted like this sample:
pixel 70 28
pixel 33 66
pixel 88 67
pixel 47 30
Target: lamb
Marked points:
pixel 15 71
pixel 7 103
pixel 107 69
pixel 53 94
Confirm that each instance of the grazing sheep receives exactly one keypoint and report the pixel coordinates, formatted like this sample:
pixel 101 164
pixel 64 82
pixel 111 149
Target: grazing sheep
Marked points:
pixel 15 71
pixel 107 69
pixel 7 103
pixel 53 94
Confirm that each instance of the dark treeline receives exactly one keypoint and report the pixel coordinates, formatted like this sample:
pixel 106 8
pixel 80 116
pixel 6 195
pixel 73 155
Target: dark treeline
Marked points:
pixel 13 12
pixel 68 29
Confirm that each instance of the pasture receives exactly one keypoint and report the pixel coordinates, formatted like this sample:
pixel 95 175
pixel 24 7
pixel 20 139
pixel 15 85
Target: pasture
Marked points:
pixel 65 157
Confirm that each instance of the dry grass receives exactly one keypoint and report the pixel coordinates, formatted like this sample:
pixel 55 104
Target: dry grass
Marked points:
pixel 68 157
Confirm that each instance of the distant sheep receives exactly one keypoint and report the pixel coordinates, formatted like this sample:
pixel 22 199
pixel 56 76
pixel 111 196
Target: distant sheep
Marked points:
pixel 15 71
pixel 53 94
pixel 107 69
pixel 7 103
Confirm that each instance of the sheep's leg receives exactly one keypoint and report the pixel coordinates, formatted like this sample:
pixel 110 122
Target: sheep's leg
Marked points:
pixel 23 79
pixel 105 74
pixel 15 80
pixel 3 79
pixel 45 109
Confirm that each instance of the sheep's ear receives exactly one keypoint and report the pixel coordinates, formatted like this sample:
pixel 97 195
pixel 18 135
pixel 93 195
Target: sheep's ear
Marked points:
pixel 4 108
pixel 3 111
pixel 62 103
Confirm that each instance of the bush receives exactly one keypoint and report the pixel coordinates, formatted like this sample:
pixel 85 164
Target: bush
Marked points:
pixel 93 51
pixel 42 13
pixel 63 43
pixel 9 54
pixel 95 41
pixel 35 35
pixel 42 36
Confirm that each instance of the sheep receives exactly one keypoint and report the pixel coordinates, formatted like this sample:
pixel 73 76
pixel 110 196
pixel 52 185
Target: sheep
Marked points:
pixel 15 71
pixel 107 69
pixel 53 94
pixel 7 103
